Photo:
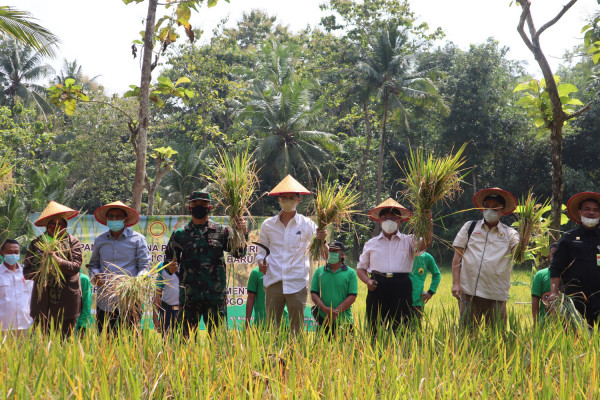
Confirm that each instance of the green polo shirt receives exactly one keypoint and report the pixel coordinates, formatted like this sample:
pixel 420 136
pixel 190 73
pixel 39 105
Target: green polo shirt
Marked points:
pixel 541 284
pixel 255 285
pixel 334 287
pixel 423 264
pixel 85 318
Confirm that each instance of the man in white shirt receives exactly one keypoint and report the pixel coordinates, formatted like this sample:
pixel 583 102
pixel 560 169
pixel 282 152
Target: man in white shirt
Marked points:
pixel 385 266
pixel 15 291
pixel 482 263
pixel 287 270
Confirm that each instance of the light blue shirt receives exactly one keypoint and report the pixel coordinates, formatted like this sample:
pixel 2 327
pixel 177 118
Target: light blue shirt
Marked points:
pixel 126 255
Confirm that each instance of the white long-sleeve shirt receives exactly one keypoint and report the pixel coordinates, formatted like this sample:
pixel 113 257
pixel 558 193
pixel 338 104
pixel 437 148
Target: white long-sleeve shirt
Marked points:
pixel 15 299
pixel 394 255
pixel 289 261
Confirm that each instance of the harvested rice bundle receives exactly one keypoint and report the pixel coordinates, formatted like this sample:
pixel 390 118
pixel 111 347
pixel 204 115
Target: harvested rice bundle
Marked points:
pixel 563 309
pixel 131 293
pixel 235 178
pixel 332 205
pixel 49 273
pixel 430 179
pixel 530 225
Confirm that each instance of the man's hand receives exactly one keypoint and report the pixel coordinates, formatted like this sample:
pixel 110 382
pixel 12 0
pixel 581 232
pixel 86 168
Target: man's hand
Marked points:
pixel 331 315
pixel 57 259
pixel 98 280
pixel 241 225
pixel 429 215
pixel 263 266
pixel 425 297
pixel 173 267
pixel 456 290
pixel 371 284
pixel 321 234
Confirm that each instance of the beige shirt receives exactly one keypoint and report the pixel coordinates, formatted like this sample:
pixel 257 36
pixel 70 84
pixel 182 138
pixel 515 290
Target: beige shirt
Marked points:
pixel 384 255
pixel 486 263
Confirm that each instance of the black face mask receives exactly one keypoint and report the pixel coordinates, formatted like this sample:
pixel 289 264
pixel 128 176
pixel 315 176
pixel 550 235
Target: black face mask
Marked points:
pixel 200 212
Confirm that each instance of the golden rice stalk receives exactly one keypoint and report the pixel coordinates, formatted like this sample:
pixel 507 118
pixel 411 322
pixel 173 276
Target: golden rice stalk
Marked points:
pixel 130 293
pixel 430 179
pixel 563 309
pixel 530 223
pixel 49 273
pixel 332 205
pixel 235 179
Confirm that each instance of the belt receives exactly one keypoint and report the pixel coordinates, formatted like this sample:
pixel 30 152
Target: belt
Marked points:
pixel 390 274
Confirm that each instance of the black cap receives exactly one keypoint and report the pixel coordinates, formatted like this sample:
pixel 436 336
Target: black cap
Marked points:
pixel 336 245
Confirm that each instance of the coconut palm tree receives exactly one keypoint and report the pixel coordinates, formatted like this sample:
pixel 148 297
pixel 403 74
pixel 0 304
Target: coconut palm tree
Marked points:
pixel 20 26
pixel 388 69
pixel 283 116
pixel 20 67
pixel 73 70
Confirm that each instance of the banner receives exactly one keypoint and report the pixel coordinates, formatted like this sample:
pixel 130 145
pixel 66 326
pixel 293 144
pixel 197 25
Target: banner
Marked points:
pixel 157 229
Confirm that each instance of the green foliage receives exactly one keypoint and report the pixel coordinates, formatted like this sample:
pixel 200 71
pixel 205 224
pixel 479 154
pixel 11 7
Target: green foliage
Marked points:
pixel 20 26
pixel 536 100
pixel 164 87
pixel 591 38
pixel 65 96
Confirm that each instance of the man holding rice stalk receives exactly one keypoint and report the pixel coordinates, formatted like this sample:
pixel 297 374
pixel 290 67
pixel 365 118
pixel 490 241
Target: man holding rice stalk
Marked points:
pixel 287 270
pixel 385 265
pixel 53 262
pixel 195 253
pixel 577 259
pixel 118 251
pixel 482 263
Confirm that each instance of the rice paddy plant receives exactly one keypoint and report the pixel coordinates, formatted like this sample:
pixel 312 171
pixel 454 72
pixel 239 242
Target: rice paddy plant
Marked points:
pixel 6 173
pixel 430 179
pixel 332 206
pixel 440 361
pixel 531 225
pixel 131 294
pixel 49 273
pixel 235 179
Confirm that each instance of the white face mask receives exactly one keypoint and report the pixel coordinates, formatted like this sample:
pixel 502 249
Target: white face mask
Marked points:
pixel 389 226
pixel 288 205
pixel 490 216
pixel 589 222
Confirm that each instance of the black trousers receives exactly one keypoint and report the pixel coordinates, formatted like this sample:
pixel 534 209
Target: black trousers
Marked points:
pixel 213 315
pixel 110 320
pixel 390 302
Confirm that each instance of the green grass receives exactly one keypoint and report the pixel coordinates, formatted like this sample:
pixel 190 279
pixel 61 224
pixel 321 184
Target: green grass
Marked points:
pixel 440 361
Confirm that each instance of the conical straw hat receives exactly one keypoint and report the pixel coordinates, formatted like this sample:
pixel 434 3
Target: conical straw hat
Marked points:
pixel 55 209
pixel 575 201
pixel 510 202
pixel 289 185
pixel 132 216
pixel 390 203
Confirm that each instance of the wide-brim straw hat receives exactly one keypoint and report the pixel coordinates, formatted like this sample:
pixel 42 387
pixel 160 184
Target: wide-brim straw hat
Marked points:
pixel 54 209
pixel 289 185
pixel 575 201
pixel 390 203
pixel 132 216
pixel 510 202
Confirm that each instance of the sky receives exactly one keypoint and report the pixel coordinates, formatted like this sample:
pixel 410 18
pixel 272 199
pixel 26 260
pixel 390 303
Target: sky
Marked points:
pixel 99 33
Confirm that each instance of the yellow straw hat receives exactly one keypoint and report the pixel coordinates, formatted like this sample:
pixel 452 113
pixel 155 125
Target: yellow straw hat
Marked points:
pixel 289 185
pixel 132 216
pixel 510 202
pixel 390 203
pixel 575 201
pixel 54 209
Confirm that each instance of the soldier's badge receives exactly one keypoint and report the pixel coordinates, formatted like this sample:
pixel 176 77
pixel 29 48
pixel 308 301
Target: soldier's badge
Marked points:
pixel 421 271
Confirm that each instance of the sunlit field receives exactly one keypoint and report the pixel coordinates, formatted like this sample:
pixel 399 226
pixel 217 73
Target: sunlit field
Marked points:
pixel 438 361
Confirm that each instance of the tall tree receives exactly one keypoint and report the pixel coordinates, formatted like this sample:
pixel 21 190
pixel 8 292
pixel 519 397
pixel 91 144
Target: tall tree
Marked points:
pixel 556 119
pixel 20 25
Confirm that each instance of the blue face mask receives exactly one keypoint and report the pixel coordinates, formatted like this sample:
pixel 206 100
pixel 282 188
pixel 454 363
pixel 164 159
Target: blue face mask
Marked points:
pixel 11 259
pixel 115 226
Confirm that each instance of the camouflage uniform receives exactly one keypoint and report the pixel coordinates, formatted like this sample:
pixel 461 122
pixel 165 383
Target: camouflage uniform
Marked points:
pixel 202 275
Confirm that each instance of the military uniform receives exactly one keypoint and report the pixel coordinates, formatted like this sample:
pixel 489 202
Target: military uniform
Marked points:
pixel 198 250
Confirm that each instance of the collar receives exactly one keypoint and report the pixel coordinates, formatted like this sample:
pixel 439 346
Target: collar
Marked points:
pixel 344 267
pixel 296 218
pixel 126 233
pixel 382 235
pixel 209 225
pixel 583 231
pixel 501 227
pixel 4 268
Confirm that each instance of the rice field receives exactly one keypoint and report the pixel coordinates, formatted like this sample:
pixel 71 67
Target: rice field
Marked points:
pixel 438 361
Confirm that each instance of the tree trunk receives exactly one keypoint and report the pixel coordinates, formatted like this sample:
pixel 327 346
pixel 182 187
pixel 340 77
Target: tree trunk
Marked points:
pixel 144 111
pixel 381 151
pixel 557 180
pixel 363 173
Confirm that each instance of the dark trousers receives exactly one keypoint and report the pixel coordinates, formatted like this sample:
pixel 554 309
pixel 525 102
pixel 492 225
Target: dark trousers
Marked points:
pixel 331 329
pixel 66 326
pixel 213 315
pixel 110 320
pixel 390 302
pixel 168 316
